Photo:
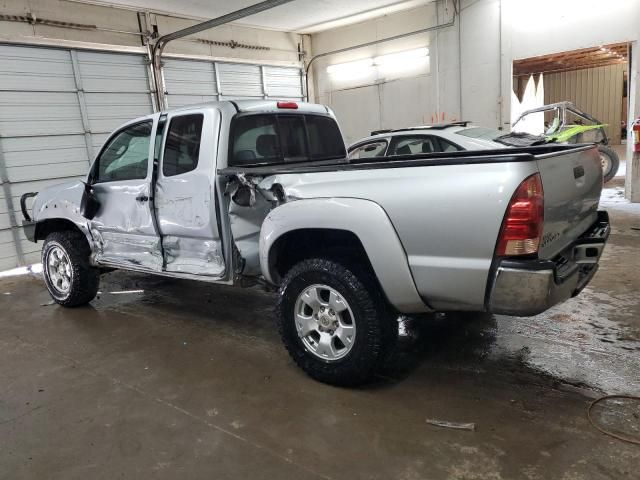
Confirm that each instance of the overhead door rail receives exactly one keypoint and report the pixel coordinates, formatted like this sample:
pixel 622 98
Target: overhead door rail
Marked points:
pixel 162 42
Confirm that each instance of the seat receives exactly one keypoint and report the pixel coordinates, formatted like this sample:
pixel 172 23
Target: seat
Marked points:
pixel 404 150
pixel 427 147
pixel 267 145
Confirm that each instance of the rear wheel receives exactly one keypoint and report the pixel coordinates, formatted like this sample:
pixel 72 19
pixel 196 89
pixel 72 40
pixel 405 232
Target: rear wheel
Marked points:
pixel 610 162
pixel 69 277
pixel 334 322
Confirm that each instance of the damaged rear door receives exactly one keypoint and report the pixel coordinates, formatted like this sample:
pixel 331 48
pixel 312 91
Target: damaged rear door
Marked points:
pixel 185 194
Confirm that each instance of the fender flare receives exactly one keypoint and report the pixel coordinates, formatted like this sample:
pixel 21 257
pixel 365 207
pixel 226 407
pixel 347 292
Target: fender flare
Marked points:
pixel 365 219
pixel 62 205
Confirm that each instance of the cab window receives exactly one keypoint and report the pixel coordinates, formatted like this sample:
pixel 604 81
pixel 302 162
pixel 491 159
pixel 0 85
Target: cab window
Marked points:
pixel 182 146
pixel 413 145
pixel 447 146
pixel 369 150
pixel 280 138
pixel 126 155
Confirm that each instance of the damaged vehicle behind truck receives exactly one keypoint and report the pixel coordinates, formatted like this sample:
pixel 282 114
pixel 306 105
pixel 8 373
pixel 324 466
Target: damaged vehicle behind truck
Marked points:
pixel 262 190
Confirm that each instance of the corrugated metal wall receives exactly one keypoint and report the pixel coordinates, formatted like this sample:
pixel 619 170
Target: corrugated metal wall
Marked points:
pixel 598 91
pixel 58 106
pixel 193 81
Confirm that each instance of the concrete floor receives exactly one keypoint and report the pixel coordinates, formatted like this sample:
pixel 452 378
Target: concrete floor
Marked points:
pixel 185 380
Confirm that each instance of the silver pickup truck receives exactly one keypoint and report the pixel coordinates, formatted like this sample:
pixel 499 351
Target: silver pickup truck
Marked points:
pixel 239 191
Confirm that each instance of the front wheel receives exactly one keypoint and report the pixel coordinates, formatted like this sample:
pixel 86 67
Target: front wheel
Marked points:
pixel 69 277
pixel 610 162
pixel 334 322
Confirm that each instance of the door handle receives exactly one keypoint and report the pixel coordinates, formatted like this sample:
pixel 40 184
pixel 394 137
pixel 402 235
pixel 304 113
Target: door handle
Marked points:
pixel 143 198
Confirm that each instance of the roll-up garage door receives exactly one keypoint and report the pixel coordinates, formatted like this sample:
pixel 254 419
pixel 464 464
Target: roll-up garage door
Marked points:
pixel 196 81
pixel 57 106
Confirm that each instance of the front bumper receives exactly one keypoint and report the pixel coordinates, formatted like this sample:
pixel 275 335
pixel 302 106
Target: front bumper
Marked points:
pixel 529 287
pixel 28 224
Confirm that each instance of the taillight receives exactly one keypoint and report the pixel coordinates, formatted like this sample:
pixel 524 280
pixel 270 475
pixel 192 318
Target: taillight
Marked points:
pixel 292 105
pixel 522 224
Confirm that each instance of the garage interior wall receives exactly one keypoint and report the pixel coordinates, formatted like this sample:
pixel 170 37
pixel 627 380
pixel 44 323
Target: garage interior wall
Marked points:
pixel 597 91
pixel 442 91
pixel 63 89
pixel 470 65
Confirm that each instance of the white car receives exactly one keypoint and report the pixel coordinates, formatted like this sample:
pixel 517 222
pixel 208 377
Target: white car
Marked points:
pixel 448 137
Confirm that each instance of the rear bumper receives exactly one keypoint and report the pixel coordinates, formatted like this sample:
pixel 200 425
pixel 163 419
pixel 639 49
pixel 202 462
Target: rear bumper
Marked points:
pixel 529 287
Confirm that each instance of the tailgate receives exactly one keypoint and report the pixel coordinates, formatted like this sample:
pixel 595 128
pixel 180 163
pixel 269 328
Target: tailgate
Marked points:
pixel 572 183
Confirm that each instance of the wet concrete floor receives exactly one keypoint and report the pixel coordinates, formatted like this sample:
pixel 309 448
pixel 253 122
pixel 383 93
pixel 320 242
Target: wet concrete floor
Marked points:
pixel 177 379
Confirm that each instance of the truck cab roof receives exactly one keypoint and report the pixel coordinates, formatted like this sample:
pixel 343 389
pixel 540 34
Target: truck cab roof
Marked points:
pixel 244 106
pixel 266 106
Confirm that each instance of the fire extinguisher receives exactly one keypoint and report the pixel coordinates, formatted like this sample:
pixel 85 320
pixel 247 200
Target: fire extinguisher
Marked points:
pixel 636 135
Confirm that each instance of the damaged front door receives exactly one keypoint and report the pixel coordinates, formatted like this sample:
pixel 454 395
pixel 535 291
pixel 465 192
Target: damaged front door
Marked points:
pixel 123 227
pixel 185 196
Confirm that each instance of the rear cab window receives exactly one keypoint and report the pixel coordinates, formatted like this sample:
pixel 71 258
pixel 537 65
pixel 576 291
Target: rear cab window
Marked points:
pixel 265 139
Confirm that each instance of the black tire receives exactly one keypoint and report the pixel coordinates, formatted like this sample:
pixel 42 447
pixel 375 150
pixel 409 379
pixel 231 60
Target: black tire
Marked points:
pixel 609 169
pixel 84 279
pixel 372 316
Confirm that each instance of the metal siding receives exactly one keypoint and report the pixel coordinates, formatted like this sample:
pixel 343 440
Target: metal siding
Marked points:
pixel 189 81
pixel 23 69
pixel 240 81
pixel 194 81
pixel 597 91
pixel 116 89
pixel 283 82
pixel 44 138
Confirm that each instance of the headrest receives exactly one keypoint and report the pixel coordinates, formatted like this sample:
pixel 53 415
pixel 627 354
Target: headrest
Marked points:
pixel 266 145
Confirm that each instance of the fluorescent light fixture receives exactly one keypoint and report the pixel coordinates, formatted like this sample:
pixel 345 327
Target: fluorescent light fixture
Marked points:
pixel 350 68
pixel 404 60
pixel 399 58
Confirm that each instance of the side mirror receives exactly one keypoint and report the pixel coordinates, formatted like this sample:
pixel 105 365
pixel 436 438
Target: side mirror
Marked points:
pixel 89 204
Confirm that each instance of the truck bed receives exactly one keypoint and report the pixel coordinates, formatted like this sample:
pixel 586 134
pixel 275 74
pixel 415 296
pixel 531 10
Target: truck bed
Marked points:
pixel 448 216
pixel 465 157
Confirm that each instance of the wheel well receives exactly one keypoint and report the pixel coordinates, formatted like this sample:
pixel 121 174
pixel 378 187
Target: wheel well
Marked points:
pixel 45 227
pixel 295 246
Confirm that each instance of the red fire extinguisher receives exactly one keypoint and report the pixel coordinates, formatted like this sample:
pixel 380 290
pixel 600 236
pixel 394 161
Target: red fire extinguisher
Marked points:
pixel 636 135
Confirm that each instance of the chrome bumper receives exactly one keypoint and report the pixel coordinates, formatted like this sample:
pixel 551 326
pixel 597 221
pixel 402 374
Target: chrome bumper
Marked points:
pixel 528 287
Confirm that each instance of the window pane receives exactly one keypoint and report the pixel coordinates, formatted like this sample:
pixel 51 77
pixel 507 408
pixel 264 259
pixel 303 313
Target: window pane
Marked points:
pixel 126 155
pixel 182 146
pixel 255 140
pixel 447 146
pixel 158 143
pixel 280 138
pixel 413 145
pixel 480 132
pixel 325 140
pixel 292 138
pixel 369 150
